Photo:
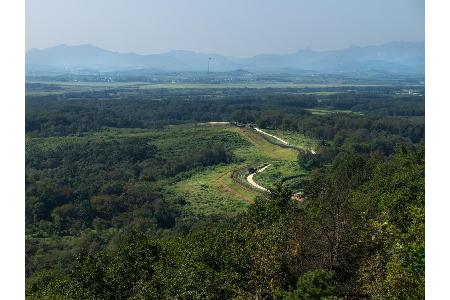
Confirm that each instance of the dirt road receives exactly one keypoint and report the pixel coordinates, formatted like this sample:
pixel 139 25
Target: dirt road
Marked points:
pixel 271 135
pixel 249 177
pixel 253 183
pixel 279 139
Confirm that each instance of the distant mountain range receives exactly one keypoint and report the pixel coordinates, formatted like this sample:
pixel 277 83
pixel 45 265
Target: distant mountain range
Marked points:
pixel 393 57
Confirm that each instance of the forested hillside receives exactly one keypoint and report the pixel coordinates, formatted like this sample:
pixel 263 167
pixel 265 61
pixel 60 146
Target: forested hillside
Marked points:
pixel 130 195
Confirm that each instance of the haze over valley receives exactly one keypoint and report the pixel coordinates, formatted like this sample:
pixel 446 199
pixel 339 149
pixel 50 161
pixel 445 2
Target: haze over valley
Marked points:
pixel 393 57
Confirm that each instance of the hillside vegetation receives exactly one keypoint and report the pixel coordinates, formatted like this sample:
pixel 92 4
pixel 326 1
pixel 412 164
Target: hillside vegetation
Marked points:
pixel 130 195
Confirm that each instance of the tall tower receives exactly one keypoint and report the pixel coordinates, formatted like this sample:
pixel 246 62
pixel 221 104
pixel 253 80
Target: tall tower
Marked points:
pixel 209 59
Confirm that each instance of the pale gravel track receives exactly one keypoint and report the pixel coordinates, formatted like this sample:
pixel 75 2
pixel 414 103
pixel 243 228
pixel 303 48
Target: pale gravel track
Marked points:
pixel 253 183
pixel 271 135
pixel 279 139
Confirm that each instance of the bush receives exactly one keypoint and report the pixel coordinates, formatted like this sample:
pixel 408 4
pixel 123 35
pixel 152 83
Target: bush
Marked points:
pixel 317 284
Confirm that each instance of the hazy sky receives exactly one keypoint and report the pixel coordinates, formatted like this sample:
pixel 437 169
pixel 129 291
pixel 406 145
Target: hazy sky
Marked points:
pixel 231 27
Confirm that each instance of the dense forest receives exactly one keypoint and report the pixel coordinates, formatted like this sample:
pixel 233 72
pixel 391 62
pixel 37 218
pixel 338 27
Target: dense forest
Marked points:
pixel 101 222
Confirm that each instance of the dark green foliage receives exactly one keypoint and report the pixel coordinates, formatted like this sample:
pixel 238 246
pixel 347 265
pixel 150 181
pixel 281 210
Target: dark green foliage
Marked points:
pixel 75 113
pixel 133 263
pixel 72 183
pixel 308 160
pixel 110 184
pixel 378 130
pixel 166 214
pixel 395 233
pixel 275 206
pixel 378 105
pixel 318 284
pixel 208 156
pixel 101 276
pixel 349 239
pixel 370 213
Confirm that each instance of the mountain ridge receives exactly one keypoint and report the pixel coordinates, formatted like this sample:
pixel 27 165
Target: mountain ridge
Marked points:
pixel 397 57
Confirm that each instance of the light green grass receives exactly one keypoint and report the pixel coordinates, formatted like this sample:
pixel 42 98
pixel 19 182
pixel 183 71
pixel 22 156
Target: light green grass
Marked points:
pixel 212 191
pixel 181 85
pixel 255 85
pixel 261 149
pixel 88 84
pixel 323 111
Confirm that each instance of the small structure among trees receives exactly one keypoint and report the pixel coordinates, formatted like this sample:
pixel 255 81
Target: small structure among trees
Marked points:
pixel 298 197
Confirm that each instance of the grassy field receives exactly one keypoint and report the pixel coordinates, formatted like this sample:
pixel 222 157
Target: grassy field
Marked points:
pixel 322 111
pixel 83 86
pixel 61 87
pixel 255 85
pixel 293 138
pixel 261 149
pixel 213 191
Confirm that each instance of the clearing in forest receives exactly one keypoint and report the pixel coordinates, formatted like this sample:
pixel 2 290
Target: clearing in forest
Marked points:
pixel 224 190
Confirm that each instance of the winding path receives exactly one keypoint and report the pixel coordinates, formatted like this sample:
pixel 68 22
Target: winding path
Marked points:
pixel 249 177
pixel 253 183
pixel 281 140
